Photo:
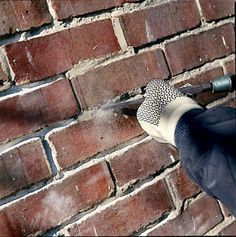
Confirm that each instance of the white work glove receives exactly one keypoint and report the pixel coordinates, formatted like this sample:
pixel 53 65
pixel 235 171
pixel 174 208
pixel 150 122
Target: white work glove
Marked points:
pixel 162 108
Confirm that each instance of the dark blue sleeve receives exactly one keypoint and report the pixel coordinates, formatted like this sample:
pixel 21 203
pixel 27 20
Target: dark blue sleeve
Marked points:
pixel 206 140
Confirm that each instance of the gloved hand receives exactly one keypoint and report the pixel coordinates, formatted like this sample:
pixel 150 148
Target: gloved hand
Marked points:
pixel 162 108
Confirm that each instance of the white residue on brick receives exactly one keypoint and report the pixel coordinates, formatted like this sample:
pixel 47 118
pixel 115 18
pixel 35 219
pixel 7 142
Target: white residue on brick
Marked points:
pixel 223 39
pixel 149 34
pixel 51 10
pixel 55 206
pixel 104 206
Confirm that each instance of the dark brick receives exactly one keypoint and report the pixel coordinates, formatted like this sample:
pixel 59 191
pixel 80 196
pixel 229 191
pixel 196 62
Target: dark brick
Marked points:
pixel 22 15
pixel 68 8
pixel 181 184
pixel 141 161
pixel 103 83
pixel 52 206
pixel 201 48
pixel 87 138
pixel 128 215
pixel 22 166
pixel 216 9
pixel 197 219
pixel 229 230
pixel 145 26
pixel 21 114
pixel 42 57
pixel 205 98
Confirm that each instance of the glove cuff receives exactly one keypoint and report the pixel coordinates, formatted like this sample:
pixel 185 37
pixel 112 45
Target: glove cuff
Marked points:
pixel 171 114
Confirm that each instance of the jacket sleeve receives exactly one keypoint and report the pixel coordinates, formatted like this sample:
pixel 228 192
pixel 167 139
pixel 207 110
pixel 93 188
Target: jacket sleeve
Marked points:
pixel 206 143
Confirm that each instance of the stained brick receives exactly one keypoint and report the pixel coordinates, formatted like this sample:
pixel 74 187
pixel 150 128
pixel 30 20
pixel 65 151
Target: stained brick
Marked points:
pixel 68 8
pixel 203 47
pixel 22 166
pixel 22 15
pixel 103 83
pixel 229 230
pixel 141 161
pixel 230 66
pixel 181 185
pixel 23 113
pixel 128 215
pixel 145 26
pixel 197 219
pixel 49 207
pixel 214 9
pixel 87 138
pixel 42 57
pixel 205 98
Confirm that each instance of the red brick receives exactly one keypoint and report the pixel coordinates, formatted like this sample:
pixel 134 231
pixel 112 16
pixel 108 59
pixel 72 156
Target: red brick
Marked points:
pixel 127 216
pixel 68 8
pixel 230 66
pixel 21 114
pixel 229 230
pixel 22 15
pixel 87 138
pixel 145 26
pixel 197 219
pixel 205 98
pixel 201 48
pixel 215 9
pixel 22 166
pixel 141 161
pixel 49 207
pixel 103 83
pixel 181 184
pixel 42 57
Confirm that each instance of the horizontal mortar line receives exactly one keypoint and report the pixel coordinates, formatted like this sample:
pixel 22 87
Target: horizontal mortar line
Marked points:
pixel 223 100
pixel 40 133
pixel 201 69
pixel 30 86
pixel 160 43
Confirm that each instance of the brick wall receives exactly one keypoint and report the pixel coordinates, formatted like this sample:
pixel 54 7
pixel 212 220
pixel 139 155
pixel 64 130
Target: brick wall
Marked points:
pixel 66 166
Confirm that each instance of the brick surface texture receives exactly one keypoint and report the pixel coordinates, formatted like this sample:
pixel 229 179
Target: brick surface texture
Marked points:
pixel 22 15
pixel 68 166
pixel 68 8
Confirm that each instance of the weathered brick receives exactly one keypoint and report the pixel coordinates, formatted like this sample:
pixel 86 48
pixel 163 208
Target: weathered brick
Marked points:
pixel 181 185
pixel 197 219
pixel 230 66
pixel 103 83
pixel 229 230
pixel 49 207
pixel 87 138
pixel 141 161
pixel 42 57
pixel 22 166
pixel 216 9
pixel 145 26
pixel 68 8
pixel 205 98
pixel 128 215
pixel 201 48
pixel 23 113
pixel 22 15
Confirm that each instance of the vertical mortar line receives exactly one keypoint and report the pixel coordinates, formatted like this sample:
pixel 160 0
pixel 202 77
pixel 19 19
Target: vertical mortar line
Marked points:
pixel 75 97
pixel 166 61
pixel 112 176
pixel 52 11
pixel 6 66
pixel 51 162
pixel 203 22
pixel 119 33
